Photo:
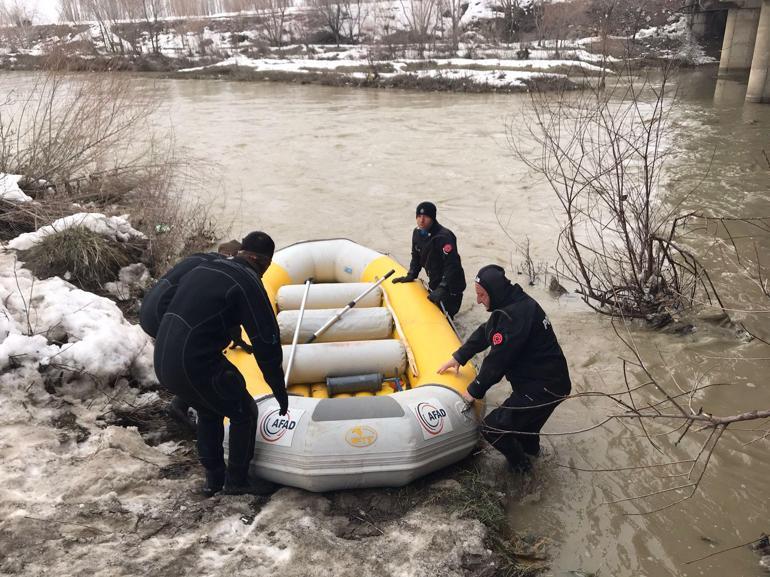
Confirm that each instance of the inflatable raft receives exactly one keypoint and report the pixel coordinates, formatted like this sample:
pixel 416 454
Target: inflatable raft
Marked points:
pixel 408 422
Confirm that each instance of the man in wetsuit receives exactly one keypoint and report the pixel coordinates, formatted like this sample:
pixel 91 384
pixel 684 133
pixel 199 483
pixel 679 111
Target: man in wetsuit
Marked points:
pixel 434 248
pixel 157 299
pixel 524 349
pixel 210 300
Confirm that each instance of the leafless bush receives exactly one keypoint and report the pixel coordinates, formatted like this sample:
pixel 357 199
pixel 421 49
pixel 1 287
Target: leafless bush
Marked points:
pixel 602 152
pixel 66 127
pixel 88 142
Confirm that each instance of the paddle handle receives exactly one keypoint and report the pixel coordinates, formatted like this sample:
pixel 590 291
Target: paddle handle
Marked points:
pixel 296 330
pixel 349 306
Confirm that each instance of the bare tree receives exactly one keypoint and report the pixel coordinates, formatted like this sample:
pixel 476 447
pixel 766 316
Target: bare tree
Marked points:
pixel 559 19
pixel 355 12
pixel 421 21
pixel 107 16
pixel 331 14
pixel 18 18
pixel 273 14
pixel 152 11
pixel 602 153
pixel 453 10
pixel 512 13
pixel 71 11
pixel 537 9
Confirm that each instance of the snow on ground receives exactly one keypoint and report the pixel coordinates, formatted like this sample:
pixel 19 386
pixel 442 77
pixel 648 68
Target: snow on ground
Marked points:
pixel 492 73
pixel 9 188
pixel 84 493
pixel 114 227
pixel 51 321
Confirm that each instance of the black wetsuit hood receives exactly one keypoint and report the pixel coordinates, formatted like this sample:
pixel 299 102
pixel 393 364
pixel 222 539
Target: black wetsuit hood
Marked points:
pixel 501 292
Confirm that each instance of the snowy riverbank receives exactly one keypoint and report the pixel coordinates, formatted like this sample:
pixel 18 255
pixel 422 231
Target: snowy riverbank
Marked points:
pixel 97 479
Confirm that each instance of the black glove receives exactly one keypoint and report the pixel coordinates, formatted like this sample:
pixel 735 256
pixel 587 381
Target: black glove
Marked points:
pixel 407 278
pixel 283 402
pixel 436 296
pixel 242 344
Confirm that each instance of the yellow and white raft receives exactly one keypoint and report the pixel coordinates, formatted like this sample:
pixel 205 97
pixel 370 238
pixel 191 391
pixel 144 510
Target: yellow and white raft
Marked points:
pixel 416 421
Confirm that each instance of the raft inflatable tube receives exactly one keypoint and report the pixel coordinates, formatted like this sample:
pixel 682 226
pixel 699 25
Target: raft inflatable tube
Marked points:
pixel 414 423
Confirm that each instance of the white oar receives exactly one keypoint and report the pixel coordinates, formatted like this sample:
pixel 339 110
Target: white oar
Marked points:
pixel 349 306
pixel 296 330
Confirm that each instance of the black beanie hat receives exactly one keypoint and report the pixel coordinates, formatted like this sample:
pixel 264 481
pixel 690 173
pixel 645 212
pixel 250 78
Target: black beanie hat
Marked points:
pixel 426 208
pixel 258 242
pixel 492 278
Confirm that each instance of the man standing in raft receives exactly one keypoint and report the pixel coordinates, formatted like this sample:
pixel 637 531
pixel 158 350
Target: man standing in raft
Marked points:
pixel 211 301
pixel 524 349
pixel 434 248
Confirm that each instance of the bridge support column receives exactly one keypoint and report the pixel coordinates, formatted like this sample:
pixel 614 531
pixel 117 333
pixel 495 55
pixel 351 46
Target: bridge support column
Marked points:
pixel 740 36
pixel 759 78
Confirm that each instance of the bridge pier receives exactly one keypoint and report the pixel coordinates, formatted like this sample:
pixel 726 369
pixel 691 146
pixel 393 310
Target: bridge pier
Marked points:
pixel 739 41
pixel 759 78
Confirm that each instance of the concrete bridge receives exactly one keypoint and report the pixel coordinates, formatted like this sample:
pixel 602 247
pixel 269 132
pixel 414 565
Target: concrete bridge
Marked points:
pixel 746 44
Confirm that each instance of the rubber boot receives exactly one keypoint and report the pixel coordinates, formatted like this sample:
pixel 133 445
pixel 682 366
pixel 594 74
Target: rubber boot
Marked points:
pixel 519 464
pixel 215 480
pixel 178 409
pixel 243 485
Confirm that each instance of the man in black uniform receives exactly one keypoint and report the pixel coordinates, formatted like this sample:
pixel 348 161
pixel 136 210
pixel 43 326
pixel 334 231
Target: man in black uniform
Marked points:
pixel 157 299
pixel 434 248
pixel 210 301
pixel 524 349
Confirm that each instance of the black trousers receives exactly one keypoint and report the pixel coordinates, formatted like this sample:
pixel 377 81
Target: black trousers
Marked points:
pixel 513 427
pixel 215 392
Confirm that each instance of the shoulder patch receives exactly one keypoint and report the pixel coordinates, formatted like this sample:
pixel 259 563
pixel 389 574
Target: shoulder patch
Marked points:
pixel 447 248
pixel 497 338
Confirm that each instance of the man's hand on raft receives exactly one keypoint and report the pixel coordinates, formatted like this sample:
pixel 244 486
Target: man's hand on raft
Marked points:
pixel 450 364
pixel 453 364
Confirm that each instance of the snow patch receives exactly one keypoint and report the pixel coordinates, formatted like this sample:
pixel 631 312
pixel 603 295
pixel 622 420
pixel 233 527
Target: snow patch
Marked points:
pixel 9 188
pixel 114 227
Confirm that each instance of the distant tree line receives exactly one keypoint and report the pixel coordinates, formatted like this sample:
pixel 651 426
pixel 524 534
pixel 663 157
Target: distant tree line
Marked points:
pixel 130 25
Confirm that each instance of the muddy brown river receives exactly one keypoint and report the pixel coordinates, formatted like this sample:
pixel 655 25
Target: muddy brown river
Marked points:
pixel 307 162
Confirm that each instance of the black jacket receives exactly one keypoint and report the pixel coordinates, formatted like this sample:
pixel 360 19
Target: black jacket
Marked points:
pixel 436 252
pixel 156 301
pixel 523 345
pixel 210 301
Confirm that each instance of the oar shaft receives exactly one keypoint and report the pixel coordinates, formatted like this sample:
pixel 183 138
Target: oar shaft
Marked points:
pixel 296 330
pixel 349 306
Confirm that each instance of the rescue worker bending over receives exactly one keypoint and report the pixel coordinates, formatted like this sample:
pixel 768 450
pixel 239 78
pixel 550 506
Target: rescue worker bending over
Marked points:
pixel 157 299
pixel 434 248
pixel 210 301
pixel 524 349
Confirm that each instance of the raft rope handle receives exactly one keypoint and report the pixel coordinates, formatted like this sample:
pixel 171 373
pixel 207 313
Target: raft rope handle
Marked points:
pixel 296 330
pixel 349 306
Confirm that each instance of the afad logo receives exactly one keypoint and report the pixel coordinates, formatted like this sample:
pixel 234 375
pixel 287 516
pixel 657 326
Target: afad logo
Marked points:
pixel 361 436
pixel 431 418
pixel 274 426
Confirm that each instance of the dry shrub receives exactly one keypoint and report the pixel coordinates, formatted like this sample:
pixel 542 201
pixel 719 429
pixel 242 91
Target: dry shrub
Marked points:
pixel 82 256
pixel 89 143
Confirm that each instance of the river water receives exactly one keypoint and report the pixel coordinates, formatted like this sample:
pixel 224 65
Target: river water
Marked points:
pixel 305 162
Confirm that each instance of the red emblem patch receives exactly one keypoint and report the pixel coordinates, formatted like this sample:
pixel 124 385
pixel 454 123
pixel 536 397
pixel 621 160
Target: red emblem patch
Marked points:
pixel 497 338
pixel 447 248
